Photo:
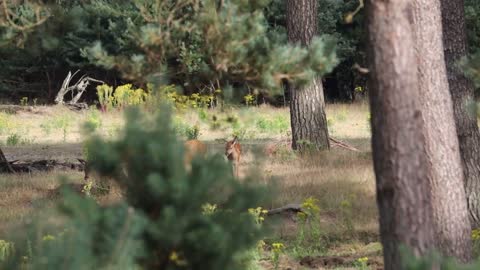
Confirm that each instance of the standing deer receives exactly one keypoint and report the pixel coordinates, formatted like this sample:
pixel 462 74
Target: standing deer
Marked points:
pixel 233 152
pixel 192 148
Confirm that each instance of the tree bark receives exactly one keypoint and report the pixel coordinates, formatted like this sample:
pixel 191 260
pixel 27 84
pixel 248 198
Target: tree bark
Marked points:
pixel 307 104
pixel 462 91
pixel 450 214
pixel 399 154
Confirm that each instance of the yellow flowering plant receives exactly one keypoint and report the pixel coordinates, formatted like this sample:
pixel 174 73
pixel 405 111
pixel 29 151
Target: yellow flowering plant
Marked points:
pixel 362 263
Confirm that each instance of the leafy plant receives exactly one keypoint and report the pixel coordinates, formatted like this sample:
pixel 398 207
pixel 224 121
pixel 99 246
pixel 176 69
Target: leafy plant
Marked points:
pixel 63 122
pixel 209 209
pixel 192 132
pixel 24 101
pixel 195 101
pixel 124 96
pixel 87 188
pixel 105 97
pixel 309 229
pixel 121 97
pixel 6 250
pixel 278 124
pixel 249 99
pixel 94 119
pixel 203 115
pixel 476 242
pixel 277 250
pixel 258 214
pixel 361 263
pixel 13 139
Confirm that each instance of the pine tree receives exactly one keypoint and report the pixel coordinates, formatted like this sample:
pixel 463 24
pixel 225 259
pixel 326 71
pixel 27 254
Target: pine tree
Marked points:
pixel 161 224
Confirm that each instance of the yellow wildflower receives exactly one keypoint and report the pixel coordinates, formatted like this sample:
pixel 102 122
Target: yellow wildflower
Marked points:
pixel 48 237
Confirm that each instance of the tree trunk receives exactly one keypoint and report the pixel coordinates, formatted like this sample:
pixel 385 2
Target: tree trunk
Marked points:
pixel 400 161
pixel 462 91
pixel 450 214
pixel 307 104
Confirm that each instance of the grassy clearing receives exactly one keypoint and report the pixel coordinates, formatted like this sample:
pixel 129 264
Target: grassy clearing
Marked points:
pixel 341 181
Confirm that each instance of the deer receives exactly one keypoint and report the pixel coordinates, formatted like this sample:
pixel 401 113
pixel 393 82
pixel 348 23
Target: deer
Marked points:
pixel 233 152
pixel 192 148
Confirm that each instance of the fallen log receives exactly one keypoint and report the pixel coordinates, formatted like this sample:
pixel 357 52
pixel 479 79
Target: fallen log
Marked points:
pixel 38 166
pixel 289 208
pixel 13 109
pixel 76 106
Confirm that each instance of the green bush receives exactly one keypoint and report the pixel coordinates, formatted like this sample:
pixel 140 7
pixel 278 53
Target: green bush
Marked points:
pixel 278 124
pixel 123 96
pixel 94 119
pixel 162 224
pixel 192 132
pixel 13 139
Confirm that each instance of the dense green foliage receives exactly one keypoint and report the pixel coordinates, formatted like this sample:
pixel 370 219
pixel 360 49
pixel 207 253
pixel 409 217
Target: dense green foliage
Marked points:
pixel 162 224
pixel 472 16
pixel 472 65
pixel 192 43
pixel 472 68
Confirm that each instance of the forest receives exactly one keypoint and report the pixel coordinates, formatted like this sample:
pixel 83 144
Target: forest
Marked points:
pixel 239 134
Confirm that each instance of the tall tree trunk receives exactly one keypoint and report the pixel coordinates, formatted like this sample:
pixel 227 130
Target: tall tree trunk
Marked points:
pixel 307 104
pixel 450 214
pixel 400 160
pixel 462 91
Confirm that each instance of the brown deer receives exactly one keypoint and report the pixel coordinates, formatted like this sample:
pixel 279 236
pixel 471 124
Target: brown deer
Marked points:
pixel 233 152
pixel 192 148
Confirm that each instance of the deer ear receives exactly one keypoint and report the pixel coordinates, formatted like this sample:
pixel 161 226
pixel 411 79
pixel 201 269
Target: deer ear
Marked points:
pixel 234 139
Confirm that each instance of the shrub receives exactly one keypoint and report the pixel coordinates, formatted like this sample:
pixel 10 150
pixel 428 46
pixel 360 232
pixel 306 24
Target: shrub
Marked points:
pixel 192 132
pixel 278 124
pixel 123 96
pixel 162 224
pixel 105 97
pixel 13 139
pixel 309 234
pixel 170 93
pixel 6 250
pixel 93 119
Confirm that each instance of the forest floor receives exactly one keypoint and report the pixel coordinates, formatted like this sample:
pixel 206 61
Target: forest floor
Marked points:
pixel 342 181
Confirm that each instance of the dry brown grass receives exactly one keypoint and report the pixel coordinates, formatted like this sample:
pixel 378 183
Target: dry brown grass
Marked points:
pixel 333 177
pixel 19 195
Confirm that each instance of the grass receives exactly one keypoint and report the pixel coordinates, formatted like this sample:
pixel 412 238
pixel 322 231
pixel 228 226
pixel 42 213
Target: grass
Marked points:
pixel 342 181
